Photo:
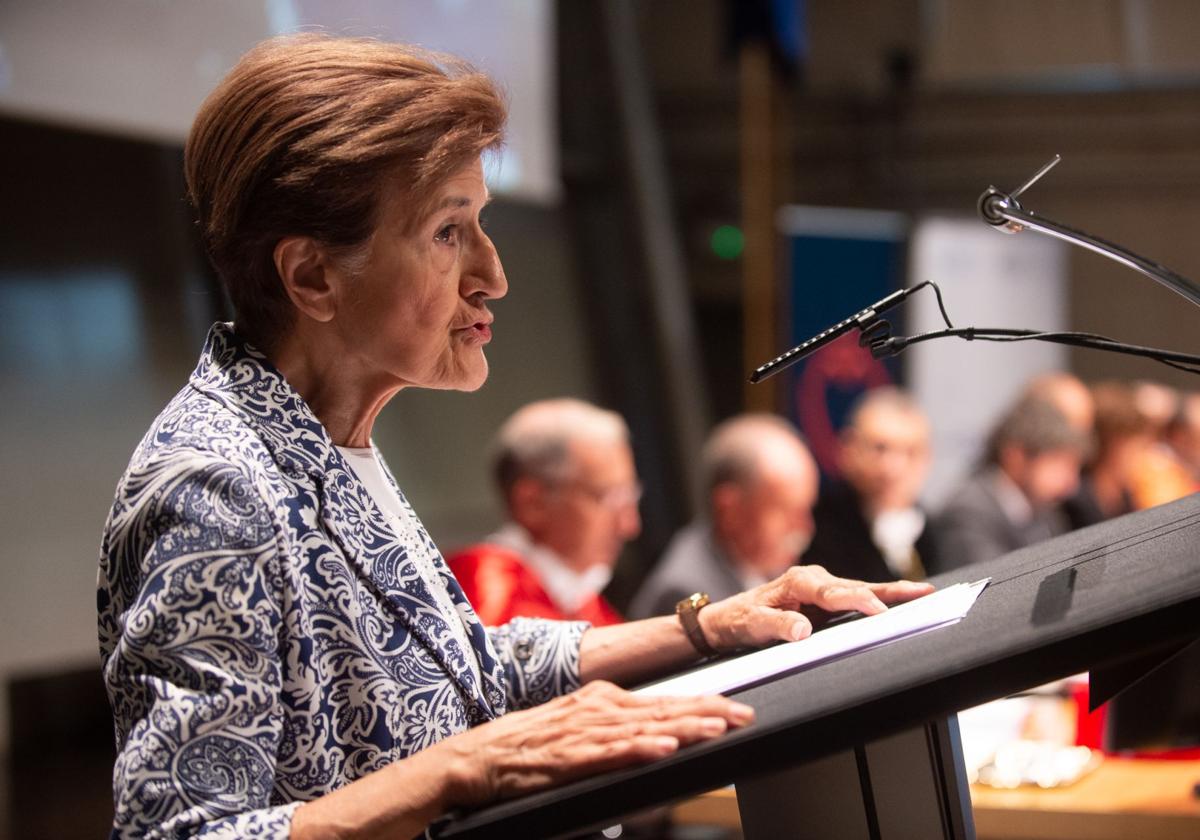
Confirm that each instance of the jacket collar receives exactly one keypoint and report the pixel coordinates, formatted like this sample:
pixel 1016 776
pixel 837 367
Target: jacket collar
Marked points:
pixel 239 377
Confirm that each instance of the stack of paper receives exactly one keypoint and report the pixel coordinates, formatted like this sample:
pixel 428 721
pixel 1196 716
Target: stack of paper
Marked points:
pixel 938 609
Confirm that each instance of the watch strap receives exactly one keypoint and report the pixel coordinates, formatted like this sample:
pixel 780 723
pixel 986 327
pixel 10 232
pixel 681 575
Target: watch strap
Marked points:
pixel 688 611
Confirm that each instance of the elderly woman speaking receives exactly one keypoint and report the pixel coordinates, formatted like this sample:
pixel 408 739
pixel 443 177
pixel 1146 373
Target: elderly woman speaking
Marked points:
pixel 285 651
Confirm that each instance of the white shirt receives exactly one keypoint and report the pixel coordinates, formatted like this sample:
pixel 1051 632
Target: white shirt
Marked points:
pixel 400 516
pixel 895 534
pixel 567 588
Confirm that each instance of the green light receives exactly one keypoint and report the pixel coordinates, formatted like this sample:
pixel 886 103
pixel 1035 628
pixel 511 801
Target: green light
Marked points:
pixel 727 242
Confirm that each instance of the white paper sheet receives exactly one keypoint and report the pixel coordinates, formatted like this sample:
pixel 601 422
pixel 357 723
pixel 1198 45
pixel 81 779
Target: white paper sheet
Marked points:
pixel 938 609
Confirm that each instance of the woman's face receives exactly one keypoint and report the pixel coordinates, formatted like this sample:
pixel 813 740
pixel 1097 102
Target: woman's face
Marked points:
pixel 416 314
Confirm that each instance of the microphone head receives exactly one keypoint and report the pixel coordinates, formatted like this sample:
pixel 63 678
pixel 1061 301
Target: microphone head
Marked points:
pixel 992 204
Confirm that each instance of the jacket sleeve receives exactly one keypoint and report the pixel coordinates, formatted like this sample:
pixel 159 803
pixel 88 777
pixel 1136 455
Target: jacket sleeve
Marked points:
pixel 967 532
pixel 190 600
pixel 540 658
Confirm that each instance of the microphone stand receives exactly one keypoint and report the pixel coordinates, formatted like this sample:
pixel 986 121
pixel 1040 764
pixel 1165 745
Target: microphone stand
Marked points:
pixel 1004 212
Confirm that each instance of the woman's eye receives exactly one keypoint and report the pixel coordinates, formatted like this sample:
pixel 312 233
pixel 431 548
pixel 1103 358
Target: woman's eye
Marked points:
pixel 446 234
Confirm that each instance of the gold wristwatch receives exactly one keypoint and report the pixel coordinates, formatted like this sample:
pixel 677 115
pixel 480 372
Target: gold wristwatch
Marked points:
pixel 688 611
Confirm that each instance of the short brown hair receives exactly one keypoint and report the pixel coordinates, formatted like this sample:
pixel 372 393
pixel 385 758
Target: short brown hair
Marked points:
pixel 1036 426
pixel 299 138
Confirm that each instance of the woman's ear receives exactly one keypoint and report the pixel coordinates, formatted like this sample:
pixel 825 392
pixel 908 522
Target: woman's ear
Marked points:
pixel 304 270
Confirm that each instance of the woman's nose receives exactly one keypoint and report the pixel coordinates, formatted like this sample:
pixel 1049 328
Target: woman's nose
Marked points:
pixel 486 274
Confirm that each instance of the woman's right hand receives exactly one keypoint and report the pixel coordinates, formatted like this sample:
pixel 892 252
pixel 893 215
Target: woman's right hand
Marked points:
pixel 599 727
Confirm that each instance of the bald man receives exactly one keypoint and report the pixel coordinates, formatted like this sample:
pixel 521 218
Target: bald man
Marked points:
pixel 565 471
pixel 760 483
pixel 869 525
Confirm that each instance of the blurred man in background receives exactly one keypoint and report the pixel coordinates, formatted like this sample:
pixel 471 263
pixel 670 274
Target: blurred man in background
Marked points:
pixel 869 525
pixel 1032 464
pixel 1123 436
pixel 1069 395
pixel 759 482
pixel 1077 403
pixel 565 471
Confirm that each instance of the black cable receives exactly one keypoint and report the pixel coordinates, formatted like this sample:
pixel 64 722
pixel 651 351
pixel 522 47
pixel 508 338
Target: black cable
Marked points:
pixel 1181 361
pixel 938 292
pixel 1078 339
pixel 875 333
pixel 895 344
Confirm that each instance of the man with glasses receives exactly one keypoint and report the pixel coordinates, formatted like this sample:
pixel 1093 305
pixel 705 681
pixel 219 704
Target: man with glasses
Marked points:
pixel 565 471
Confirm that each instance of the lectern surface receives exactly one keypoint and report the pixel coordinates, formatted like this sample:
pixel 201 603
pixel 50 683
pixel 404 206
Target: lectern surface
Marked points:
pixel 1093 597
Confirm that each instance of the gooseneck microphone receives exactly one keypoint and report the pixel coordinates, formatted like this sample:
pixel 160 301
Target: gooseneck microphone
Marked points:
pixel 859 319
pixel 1002 211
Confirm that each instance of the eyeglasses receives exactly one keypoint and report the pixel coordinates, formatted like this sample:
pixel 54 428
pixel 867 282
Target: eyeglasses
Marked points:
pixel 884 449
pixel 614 498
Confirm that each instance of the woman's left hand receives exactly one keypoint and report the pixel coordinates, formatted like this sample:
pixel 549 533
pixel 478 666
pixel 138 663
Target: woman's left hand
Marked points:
pixel 770 612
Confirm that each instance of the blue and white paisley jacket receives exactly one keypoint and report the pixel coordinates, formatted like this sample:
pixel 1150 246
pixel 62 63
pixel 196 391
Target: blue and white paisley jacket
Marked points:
pixel 265 635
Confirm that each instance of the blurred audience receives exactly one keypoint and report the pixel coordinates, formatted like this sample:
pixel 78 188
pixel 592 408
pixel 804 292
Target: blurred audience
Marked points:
pixel 869 525
pixel 1122 436
pixel 1032 464
pixel 565 471
pixel 1163 470
pixel 1183 434
pixel 759 482
pixel 1161 473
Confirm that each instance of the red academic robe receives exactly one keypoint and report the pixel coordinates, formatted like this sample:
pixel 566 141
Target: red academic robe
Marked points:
pixel 501 587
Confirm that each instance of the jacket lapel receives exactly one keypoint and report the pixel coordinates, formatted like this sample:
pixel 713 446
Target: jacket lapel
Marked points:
pixel 242 379
pixel 490 667
pixel 370 544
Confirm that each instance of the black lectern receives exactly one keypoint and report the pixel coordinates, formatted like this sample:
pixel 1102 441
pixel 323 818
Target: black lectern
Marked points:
pixel 1117 599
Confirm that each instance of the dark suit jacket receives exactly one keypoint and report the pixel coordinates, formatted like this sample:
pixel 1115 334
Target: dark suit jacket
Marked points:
pixel 974 527
pixel 842 542
pixel 692 563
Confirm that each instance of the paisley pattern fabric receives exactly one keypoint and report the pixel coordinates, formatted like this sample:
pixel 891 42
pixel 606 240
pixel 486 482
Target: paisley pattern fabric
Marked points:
pixel 266 637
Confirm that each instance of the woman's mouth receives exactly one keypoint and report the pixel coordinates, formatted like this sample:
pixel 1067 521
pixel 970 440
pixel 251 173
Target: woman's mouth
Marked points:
pixel 480 331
